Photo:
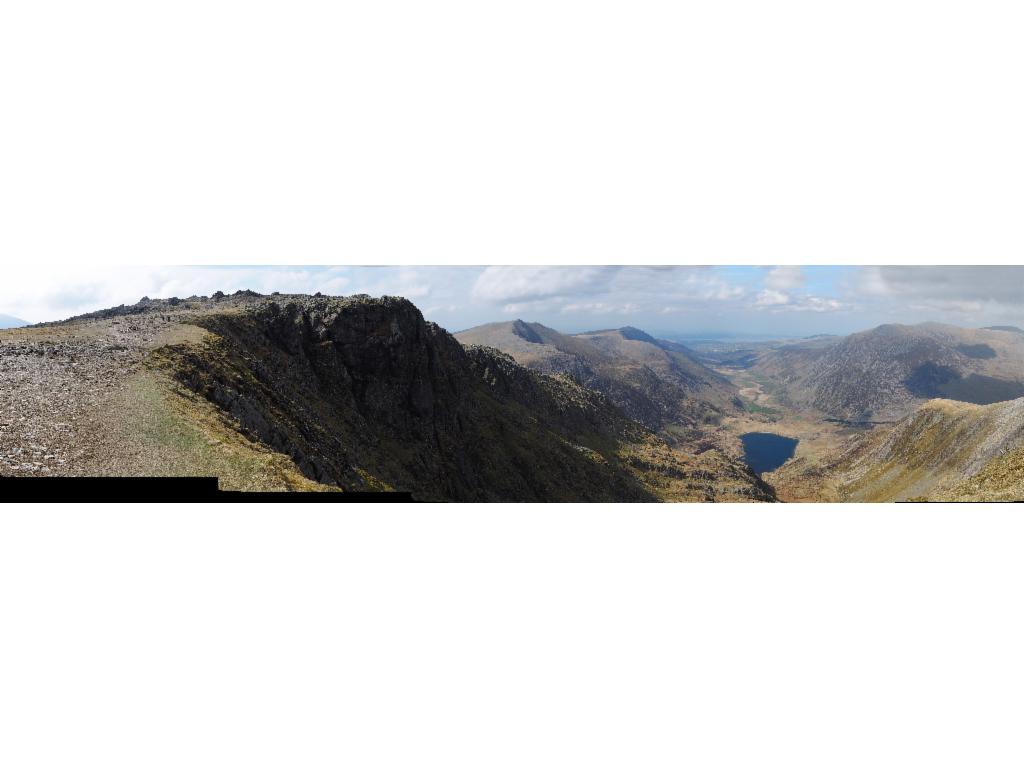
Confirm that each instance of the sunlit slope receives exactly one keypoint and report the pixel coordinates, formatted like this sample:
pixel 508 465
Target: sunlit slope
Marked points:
pixel 945 450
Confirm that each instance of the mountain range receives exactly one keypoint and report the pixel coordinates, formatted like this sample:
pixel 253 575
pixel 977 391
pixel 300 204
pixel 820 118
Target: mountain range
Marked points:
pixel 884 373
pixel 338 394
pixel 659 383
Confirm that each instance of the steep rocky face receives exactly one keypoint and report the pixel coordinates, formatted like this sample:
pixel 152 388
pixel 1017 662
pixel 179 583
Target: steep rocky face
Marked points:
pixel 363 393
pixel 657 383
pixel 884 373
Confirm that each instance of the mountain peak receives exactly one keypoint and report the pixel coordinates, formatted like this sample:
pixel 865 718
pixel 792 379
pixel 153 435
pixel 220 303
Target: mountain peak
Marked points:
pixel 635 334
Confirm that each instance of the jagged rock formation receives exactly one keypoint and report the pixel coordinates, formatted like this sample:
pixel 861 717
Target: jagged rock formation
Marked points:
pixel 884 373
pixel 658 383
pixel 313 392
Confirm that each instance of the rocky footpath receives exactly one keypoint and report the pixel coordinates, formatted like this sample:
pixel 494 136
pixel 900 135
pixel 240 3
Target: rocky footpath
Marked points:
pixel 55 380
pixel 59 381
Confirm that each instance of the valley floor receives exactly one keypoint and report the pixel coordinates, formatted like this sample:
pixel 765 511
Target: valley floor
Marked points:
pixel 820 440
pixel 943 450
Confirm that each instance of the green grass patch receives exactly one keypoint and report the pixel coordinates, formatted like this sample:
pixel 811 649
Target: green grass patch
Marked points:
pixel 176 433
pixel 763 410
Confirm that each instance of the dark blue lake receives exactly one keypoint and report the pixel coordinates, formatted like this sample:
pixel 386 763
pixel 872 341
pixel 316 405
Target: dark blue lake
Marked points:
pixel 765 451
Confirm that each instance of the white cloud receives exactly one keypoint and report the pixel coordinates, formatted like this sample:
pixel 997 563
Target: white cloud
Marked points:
pixel 784 279
pixel 578 298
pixel 519 284
pixel 602 307
pixel 951 293
pixel 603 291
pixel 1003 284
pixel 818 304
pixel 771 298
pixel 779 301
pixel 703 283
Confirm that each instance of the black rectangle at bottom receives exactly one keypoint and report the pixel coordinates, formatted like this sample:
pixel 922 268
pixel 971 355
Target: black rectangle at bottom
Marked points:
pixel 174 490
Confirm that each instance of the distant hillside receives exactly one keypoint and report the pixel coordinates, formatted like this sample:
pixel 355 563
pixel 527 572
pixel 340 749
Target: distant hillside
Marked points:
pixel 884 373
pixel 670 361
pixel 9 321
pixel 660 384
pixel 1007 328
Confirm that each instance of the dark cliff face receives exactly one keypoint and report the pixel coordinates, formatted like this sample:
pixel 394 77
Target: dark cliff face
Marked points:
pixel 363 393
pixel 379 358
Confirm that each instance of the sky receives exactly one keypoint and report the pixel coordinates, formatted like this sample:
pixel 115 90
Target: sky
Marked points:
pixel 714 301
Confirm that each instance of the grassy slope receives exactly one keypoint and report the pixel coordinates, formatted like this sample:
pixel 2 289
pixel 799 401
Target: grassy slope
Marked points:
pixel 936 450
pixel 156 427
pixel 1002 479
